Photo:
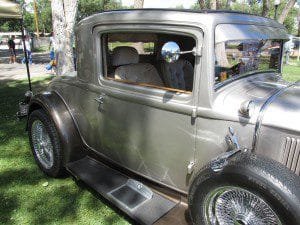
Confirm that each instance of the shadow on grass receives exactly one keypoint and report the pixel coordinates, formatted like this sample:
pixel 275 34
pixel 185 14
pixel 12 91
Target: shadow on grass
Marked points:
pixel 8 204
pixel 22 176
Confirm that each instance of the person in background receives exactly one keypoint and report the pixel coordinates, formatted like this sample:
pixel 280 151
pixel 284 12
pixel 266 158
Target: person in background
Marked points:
pixel 52 62
pixel 28 50
pixel 12 49
pixel 288 48
pixel 51 41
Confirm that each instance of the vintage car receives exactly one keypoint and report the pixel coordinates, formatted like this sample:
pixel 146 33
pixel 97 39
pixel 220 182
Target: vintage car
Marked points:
pixel 176 117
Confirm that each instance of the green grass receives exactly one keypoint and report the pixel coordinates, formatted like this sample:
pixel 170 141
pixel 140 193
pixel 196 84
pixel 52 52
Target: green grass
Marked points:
pixel 44 48
pixel 23 198
pixel 291 73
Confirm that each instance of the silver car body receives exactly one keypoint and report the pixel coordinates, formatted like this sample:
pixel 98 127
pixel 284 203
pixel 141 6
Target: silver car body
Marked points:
pixel 163 135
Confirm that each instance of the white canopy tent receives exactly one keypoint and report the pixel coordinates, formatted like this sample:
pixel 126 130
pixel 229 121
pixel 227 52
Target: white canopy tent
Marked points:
pixel 10 9
pixel 13 10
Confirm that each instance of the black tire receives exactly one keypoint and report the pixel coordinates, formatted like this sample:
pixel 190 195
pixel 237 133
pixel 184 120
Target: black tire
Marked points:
pixel 264 178
pixel 57 167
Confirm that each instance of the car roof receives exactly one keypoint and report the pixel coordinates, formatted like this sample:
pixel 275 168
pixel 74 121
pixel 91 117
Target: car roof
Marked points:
pixel 209 18
pixel 180 10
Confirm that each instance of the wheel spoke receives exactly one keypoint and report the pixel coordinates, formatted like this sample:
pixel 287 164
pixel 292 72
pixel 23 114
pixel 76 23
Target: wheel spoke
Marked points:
pixel 237 206
pixel 42 144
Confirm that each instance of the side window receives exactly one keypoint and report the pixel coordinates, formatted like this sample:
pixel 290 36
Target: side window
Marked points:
pixel 143 48
pixel 135 58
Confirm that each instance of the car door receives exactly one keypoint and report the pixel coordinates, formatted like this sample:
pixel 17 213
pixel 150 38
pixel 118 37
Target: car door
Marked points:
pixel 148 130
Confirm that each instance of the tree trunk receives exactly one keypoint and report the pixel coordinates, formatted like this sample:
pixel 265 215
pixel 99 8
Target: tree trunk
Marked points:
pixel 202 4
pixel 218 4
pixel 221 55
pixel 228 2
pixel 286 10
pixel 298 19
pixel 266 8
pixel 298 28
pixel 213 4
pixel 63 16
pixel 138 4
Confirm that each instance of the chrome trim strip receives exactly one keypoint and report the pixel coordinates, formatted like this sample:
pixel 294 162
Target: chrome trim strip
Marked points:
pixel 262 111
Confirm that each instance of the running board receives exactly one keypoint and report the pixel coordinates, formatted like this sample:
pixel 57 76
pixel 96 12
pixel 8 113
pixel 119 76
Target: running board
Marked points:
pixel 131 196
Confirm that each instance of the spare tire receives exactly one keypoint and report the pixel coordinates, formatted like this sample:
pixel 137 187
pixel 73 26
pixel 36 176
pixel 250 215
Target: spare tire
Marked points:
pixel 250 189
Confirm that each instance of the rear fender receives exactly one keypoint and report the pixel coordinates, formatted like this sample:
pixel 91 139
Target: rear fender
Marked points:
pixel 57 110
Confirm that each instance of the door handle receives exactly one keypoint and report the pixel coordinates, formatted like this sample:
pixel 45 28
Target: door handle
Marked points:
pixel 100 99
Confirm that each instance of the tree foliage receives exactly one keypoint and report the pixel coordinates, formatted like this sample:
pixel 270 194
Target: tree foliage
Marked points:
pixel 89 7
pixel 287 15
pixel 85 8
pixel 44 16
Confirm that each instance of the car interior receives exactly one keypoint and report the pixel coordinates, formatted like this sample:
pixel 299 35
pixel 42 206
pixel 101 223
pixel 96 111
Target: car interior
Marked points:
pixel 135 58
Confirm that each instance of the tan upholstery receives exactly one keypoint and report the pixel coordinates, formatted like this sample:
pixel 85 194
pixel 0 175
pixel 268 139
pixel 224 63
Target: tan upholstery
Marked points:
pixel 130 70
pixel 124 55
pixel 178 74
pixel 139 73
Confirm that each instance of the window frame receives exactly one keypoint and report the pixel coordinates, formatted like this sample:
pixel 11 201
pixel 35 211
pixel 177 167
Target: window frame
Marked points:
pixel 279 35
pixel 251 73
pixel 195 32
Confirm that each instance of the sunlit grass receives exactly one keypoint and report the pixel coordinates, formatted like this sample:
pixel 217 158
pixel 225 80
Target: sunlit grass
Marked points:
pixel 291 73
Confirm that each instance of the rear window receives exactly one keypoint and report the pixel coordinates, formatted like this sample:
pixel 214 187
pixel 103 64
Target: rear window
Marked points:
pixel 142 47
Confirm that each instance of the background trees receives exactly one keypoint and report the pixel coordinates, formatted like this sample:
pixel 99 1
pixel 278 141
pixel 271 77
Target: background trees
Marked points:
pixel 60 15
pixel 89 7
pixel 287 13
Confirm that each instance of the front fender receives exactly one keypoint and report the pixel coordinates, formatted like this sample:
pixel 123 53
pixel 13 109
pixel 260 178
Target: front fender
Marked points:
pixel 58 112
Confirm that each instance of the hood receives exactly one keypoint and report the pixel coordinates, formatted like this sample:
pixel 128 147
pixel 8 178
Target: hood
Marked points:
pixel 258 88
pixel 282 110
pixel 277 133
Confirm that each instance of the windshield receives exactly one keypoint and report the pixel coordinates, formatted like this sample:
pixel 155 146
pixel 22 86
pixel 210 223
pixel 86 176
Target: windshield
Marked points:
pixel 235 58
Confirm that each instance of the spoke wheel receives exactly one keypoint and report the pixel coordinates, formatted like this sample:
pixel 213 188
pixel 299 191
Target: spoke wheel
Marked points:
pixel 45 143
pixel 233 205
pixel 42 144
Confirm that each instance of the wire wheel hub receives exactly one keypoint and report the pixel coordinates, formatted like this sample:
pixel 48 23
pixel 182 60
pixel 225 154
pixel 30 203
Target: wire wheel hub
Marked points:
pixel 237 206
pixel 42 144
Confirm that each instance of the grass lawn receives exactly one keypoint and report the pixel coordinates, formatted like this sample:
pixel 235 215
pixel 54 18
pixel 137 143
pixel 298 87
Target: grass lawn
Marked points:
pixel 291 73
pixel 23 197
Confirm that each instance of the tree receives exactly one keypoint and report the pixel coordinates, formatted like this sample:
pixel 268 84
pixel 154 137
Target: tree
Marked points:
pixel 89 7
pixel 287 8
pixel 202 4
pixel 45 15
pixel 298 20
pixel 139 45
pixel 138 4
pixel 63 16
pixel 266 8
pixel 213 4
